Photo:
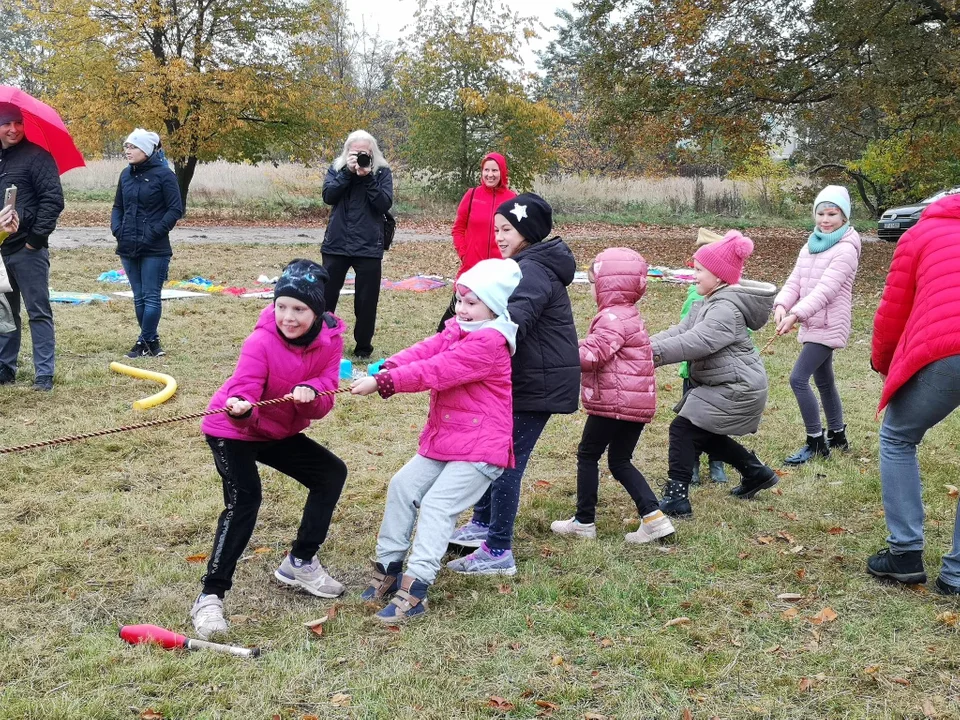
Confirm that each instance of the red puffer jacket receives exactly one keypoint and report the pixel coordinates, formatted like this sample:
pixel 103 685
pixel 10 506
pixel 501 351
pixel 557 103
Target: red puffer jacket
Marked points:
pixel 918 321
pixel 472 231
pixel 618 375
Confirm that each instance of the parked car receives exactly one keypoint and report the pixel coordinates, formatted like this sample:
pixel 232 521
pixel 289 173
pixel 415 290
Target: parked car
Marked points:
pixel 896 221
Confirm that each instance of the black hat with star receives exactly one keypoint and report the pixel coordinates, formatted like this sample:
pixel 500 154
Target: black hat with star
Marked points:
pixel 530 214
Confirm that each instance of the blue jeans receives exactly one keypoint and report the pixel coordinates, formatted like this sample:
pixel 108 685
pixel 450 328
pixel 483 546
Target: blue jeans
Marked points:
pixel 499 504
pixel 147 276
pixel 29 273
pixel 926 399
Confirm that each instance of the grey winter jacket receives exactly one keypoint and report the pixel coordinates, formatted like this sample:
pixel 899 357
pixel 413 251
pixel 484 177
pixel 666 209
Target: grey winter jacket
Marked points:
pixel 729 381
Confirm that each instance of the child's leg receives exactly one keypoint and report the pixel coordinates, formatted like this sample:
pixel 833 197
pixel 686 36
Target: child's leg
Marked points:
pixel 829 395
pixel 686 444
pixel 459 485
pixel 624 436
pixel 322 473
pixel 812 356
pixel 593 442
pixel 236 461
pixel 404 498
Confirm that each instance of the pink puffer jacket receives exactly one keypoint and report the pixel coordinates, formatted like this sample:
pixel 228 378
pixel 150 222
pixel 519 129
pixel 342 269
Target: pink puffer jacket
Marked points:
pixel 618 375
pixel 819 292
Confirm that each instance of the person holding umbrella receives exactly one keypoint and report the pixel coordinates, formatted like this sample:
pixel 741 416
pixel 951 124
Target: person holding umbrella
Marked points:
pixel 33 170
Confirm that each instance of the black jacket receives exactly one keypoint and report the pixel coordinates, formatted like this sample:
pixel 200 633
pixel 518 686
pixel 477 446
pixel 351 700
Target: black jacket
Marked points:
pixel 356 221
pixel 546 366
pixel 39 194
pixel 146 208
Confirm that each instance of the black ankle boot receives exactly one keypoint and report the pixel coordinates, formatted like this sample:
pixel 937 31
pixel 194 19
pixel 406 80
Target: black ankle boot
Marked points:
pixel 903 567
pixel 815 447
pixel 837 440
pixel 754 477
pixel 676 500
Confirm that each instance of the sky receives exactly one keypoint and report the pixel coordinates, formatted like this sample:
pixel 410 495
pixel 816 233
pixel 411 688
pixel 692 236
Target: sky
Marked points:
pixel 394 18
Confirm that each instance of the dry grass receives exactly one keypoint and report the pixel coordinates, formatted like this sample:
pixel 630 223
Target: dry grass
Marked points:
pixel 95 535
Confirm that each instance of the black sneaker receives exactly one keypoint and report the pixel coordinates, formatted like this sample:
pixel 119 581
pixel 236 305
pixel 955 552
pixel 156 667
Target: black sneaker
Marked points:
pixel 944 588
pixel 154 349
pixel 7 376
pixel 837 440
pixel 676 500
pixel 138 350
pixel 905 567
pixel 43 382
pixel 362 354
pixel 815 447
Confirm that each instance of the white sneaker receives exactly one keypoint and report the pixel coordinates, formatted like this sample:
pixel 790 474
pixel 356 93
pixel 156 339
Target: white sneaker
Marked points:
pixel 572 527
pixel 311 577
pixel 207 614
pixel 652 527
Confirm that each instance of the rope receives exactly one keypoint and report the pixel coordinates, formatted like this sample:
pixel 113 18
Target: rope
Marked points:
pixel 148 424
pixel 769 343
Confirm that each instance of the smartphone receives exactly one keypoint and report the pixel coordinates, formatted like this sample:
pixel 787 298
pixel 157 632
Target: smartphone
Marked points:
pixel 10 196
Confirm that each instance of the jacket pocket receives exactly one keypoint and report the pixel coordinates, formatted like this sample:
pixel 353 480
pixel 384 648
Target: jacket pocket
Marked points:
pixel 458 431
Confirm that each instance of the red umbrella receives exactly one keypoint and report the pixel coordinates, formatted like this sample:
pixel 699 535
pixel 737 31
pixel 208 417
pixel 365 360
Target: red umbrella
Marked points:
pixel 43 126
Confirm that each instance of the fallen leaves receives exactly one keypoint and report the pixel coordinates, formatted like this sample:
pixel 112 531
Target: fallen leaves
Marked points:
pixel 198 558
pixel 317 626
pixel 594 716
pixel 556 660
pixel 839 530
pixel 682 620
pixel 687 714
pixel 926 707
pixel 827 615
pixel 801 573
pixel 151 714
pixel 504 589
pixel 805 684
pixel 952 491
pixel 498 703
pixel 542 484
pixel 789 613
pixel 948 618
pixel 340 700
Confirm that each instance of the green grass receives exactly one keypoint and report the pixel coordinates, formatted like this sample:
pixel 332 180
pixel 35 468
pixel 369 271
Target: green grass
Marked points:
pixel 96 534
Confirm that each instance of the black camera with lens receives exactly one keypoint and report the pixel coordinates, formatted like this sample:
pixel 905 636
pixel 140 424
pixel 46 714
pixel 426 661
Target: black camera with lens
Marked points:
pixel 364 159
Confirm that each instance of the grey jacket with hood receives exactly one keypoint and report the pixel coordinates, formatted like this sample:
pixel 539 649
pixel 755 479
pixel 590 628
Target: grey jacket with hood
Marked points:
pixel 729 381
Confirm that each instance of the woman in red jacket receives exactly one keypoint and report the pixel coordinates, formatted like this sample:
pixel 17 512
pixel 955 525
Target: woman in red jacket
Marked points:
pixel 472 231
pixel 916 347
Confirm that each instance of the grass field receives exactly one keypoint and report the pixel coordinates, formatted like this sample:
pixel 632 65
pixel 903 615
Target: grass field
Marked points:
pixel 98 534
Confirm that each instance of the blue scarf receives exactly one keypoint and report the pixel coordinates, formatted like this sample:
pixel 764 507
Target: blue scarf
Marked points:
pixel 820 241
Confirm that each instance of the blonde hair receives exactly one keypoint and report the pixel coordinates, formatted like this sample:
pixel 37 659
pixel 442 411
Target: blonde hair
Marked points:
pixel 355 136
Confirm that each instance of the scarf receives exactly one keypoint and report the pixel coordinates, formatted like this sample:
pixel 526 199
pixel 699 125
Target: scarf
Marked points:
pixel 820 241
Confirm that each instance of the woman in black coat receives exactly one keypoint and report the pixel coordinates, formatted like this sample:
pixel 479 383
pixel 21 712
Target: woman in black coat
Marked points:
pixel 359 186
pixel 146 208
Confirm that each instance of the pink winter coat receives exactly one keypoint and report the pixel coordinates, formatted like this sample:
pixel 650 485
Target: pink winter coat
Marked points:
pixel 819 292
pixel 617 363
pixel 471 402
pixel 270 367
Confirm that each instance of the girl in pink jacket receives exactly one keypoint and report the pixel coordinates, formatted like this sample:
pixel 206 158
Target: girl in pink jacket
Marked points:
pixel 466 444
pixel 619 394
pixel 294 351
pixel 819 295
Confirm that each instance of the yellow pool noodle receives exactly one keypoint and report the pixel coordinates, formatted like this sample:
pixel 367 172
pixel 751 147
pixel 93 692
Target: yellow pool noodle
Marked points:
pixel 170 384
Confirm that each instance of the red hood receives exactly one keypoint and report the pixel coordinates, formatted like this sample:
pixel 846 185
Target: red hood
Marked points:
pixel 947 207
pixel 501 162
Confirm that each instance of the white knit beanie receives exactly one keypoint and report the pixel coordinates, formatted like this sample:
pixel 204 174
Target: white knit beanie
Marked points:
pixel 143 139
pixel 493 282
pixel 835 195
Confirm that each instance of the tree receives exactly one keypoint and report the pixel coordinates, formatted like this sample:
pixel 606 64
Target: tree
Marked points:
pixel 225 79
pixel 848 77
pixel 24 58
pixel 464 97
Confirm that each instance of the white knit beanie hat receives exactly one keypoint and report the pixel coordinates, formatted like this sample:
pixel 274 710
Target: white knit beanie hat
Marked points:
pixel 143 139
pixel 835 195
pixel 493 282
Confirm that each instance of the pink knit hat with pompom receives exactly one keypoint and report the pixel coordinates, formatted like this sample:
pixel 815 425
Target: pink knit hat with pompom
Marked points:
pixel 725 258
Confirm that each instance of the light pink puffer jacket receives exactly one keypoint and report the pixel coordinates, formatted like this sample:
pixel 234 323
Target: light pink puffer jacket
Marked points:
pixel 819 292
pixel 616 360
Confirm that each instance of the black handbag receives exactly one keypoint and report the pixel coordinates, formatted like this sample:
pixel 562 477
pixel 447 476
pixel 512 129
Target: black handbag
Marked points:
pixel 389 229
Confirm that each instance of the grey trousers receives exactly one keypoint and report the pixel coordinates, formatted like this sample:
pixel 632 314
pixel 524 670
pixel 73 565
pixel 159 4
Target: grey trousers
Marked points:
pixel 29 273
pixel 816 360
pixel 440 491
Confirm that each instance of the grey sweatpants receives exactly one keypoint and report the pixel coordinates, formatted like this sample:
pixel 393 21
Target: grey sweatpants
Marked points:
pixel 817 360
pixel 441 491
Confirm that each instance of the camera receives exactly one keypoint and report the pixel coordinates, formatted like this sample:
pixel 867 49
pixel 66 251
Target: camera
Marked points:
pixel 364 159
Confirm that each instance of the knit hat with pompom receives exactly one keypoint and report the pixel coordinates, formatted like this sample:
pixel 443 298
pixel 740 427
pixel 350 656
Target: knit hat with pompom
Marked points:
pixel 725 258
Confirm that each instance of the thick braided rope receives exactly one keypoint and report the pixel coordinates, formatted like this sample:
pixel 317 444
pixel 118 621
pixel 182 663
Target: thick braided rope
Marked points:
pixel 149 423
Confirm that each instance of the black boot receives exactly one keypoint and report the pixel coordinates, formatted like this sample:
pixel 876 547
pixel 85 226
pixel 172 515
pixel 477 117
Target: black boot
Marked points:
pixel 903 567
pixel 816 447
pixel 837 440
pixel 676 499
pixel 754 477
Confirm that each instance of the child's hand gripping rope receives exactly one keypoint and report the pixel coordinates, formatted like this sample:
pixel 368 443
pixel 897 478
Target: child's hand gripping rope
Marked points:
pixel 231 409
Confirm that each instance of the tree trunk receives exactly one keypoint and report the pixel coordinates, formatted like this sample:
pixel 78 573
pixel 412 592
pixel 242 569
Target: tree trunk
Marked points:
pixel 184 168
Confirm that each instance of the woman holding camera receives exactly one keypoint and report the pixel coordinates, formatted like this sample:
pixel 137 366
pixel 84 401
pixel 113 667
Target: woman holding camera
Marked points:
pixel 472 232
pixel 359 186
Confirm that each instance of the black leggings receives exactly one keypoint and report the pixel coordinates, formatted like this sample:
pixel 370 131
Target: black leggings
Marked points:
pixel 365 299
pixel 303 459
pixel 619 438
pixel 687 441
pixel 817 360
